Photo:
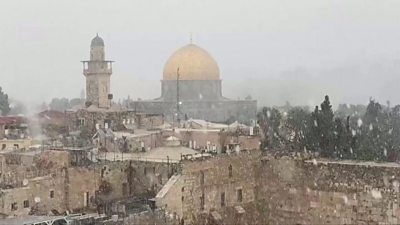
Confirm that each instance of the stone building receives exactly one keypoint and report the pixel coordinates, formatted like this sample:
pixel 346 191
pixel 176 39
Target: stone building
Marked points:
pixel 204 186
pixel 191 88
pixel 215 140
pixel 14 133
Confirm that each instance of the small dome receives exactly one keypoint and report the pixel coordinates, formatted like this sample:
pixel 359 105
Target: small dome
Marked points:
pixel 194 63
pixel 97 42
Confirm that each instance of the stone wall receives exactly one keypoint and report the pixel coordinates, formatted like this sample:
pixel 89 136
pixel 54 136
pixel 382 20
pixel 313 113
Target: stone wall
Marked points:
pixel 329 192
pixel 60 190
pixel 210 110
pixel 208 139
pixel 2 132
pixel 35 195
pixel 18 166
pixel 132 143
pixel 7 144
pixel 191 90
pixel 202 184
pixel 149 121
pixel 157 217
pixel 89 119
pixel 287 191
pixel 134 178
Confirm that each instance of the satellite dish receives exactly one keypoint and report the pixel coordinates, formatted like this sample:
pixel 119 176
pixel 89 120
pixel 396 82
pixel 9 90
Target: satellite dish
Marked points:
pixel 37 199
pixel 25 182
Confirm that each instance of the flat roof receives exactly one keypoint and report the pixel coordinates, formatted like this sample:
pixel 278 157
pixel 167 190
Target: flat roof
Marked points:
pixel 161 154
pixel 137 133
pixel 355 163
pixel 28 220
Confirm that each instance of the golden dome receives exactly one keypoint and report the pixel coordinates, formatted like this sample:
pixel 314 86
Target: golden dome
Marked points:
pixel 194 63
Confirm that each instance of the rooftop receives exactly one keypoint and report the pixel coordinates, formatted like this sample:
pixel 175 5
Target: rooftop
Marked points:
pixel 137 133
pixel 10 120
pixel 29 220
pixel 161 154
pixel 164 190
pixel 354 163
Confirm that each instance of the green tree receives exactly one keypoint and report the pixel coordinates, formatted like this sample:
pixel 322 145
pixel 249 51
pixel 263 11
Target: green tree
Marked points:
pixel 394 133
pixel 326 127
pixel 269 120
pixel 59 104
pixel 343 140
pixel 374 134
pixel 313 133
pixel 4 103
pixel 75 101
pixel 297 123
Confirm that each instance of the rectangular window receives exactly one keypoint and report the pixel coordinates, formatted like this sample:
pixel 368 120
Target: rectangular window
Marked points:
pixel 124 189
pixel 223 199
pixel 86 199
pixel 239 195
pixel 26 204
pixel 81 121
pixel 201 178
pixel 14 206
pixel 51 194
pixel 202 202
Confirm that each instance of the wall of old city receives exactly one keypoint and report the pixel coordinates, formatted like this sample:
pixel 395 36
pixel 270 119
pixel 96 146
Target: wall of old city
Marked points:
pixel 286 191
pixel 295 191
pixel 214 183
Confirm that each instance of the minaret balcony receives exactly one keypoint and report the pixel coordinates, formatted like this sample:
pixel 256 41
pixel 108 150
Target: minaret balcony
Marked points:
pixel 97 67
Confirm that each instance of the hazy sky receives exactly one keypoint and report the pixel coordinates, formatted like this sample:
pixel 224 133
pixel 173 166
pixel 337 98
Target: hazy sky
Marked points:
pixel 275 50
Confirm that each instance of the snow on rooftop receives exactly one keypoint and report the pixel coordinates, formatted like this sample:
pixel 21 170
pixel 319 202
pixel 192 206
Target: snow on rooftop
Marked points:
pixel 356 163
pixel 165 189
pixel 161 154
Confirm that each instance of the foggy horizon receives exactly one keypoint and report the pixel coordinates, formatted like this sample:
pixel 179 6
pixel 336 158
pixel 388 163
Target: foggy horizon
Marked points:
pixel 275 51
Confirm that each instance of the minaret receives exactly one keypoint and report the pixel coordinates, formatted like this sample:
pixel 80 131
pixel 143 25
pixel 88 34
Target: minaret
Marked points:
pixel 98 72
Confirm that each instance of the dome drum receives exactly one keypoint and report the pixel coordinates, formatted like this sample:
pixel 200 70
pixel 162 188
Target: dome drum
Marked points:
pixel 191 90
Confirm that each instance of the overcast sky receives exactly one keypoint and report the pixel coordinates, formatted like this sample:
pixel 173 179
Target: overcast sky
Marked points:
pixel 275 50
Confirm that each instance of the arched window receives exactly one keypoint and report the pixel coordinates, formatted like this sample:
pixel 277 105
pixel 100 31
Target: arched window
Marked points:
pixel 230 170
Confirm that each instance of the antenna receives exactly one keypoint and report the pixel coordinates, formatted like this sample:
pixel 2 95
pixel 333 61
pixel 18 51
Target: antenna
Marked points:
pixel 191 39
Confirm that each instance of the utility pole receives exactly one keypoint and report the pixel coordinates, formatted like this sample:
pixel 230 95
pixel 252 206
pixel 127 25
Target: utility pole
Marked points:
pixel 177 97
